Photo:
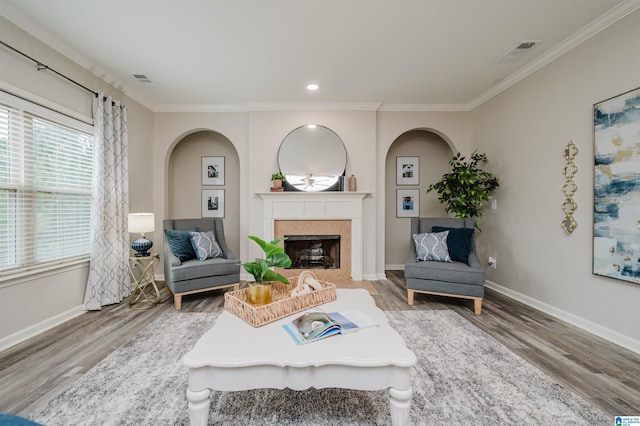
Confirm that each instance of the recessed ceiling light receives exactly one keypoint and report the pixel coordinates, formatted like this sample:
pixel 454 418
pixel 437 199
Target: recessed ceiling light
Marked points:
pixel 312 87
pixel 311 126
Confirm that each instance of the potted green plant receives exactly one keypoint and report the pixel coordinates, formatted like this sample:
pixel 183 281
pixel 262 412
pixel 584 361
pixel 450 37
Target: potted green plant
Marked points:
pixel 260 291
pixel 277 178
pixel 466 186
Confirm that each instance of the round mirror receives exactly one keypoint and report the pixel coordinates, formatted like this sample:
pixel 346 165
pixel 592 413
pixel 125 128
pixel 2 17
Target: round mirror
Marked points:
pixel 312 158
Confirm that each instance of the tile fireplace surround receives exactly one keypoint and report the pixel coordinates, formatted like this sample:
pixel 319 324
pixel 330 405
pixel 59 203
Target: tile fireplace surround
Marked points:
pixel 313 207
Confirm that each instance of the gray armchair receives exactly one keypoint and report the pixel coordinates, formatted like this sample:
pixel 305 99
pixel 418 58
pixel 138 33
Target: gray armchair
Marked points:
pixel 455 279
pixel 189 276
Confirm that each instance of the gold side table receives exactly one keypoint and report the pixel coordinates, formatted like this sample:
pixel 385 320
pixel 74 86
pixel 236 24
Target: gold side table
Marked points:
pixel 145 293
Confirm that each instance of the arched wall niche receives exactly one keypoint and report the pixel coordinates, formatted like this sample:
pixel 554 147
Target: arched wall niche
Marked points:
pixel 434 150
pixel 184 187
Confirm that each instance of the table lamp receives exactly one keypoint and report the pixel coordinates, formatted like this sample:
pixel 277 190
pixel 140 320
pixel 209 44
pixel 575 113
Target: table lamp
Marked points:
pixel 139 223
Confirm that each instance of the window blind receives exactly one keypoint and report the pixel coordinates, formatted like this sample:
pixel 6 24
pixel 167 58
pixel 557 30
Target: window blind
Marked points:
pixel 46 170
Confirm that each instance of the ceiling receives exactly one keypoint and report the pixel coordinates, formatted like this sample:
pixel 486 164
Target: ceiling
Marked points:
pixel 379 54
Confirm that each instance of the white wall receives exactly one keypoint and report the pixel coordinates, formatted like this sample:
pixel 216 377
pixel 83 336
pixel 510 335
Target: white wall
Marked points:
pixel 433 153
pixel 184 192
pixel 170 130
pixel 524 131
pixel 452 127
pixel 32 304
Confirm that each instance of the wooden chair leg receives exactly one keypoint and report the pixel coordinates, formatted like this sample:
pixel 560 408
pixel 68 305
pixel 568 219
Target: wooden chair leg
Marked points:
pixel 177 301
pixel 410 294
pixel 477 306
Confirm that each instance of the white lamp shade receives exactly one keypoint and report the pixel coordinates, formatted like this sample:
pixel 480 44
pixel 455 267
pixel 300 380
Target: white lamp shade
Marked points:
pixel 140 223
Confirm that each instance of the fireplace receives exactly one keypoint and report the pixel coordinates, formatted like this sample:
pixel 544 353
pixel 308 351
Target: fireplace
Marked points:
pixel 319 213
pixel 313 251
pixel 331 260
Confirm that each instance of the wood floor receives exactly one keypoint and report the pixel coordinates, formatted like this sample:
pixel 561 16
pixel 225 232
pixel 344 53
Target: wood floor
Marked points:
pixel 604 374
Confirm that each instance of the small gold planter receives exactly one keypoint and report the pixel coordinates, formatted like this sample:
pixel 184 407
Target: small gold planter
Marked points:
pixel 259 294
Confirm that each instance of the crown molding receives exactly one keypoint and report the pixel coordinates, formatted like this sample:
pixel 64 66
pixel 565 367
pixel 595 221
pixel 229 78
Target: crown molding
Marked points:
pixel 266 107
pixel 200 108
pixel 313 107
pixel 611 17
pixel 362 106
pixel 425 107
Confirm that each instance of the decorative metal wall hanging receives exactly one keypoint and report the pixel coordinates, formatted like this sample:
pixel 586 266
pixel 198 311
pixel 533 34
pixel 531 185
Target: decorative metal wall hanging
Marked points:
pixel 569 206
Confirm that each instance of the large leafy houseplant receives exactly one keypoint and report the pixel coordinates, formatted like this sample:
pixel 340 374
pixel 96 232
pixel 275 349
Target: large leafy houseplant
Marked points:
pixel 274 255
pixel 466 186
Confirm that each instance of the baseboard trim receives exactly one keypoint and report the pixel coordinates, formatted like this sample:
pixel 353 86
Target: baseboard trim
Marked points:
pixel 35 329
pixel 374 277
pixel 394 267
pixel 604 332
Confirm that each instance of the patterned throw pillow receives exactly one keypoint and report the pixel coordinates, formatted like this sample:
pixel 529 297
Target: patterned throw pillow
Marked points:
pixel 432 246
pixel 205 245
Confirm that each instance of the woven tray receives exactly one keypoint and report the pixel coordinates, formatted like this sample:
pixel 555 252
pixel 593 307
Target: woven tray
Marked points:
pixel 282 304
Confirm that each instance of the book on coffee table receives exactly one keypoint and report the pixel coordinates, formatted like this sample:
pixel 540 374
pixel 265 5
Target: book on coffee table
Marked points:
pixel 316 325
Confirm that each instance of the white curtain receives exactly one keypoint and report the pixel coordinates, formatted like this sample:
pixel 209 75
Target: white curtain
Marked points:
pixel 109 281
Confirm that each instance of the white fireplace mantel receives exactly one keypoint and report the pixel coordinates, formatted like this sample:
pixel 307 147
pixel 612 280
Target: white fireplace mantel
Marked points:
pixel 318 206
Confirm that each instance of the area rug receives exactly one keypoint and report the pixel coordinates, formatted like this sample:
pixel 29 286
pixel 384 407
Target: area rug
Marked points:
pixel 463 376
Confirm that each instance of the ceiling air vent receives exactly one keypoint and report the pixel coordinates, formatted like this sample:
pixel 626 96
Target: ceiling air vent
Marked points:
pixel 142 78
pixel 519 51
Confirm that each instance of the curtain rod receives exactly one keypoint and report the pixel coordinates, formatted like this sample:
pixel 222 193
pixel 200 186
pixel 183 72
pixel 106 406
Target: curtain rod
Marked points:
pixel 42 66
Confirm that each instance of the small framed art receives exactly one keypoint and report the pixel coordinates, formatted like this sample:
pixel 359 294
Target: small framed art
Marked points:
pixel 407 202
pixel 213 203
pixel 407 170
pixel 213 170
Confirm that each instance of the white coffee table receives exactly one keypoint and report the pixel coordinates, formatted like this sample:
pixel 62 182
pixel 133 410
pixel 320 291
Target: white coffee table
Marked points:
pixel 234 356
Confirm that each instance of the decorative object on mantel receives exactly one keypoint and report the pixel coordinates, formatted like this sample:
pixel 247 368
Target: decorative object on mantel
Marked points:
pixel 353 183
pixel 341 180
pixel 569 206
pixel 616 210
pixel 277 178
pixel 260 292
pixel 465 187
pixel 141 223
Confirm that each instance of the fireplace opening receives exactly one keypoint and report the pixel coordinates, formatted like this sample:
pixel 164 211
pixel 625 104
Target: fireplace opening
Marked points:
pixel 313 251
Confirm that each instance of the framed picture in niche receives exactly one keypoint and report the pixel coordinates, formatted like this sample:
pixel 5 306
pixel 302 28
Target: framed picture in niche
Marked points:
pixel 213 203
pixel 407 202
pixel 212 170
pixel 407 170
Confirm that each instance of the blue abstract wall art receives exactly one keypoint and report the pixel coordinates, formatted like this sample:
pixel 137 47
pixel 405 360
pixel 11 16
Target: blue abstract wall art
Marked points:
pixel 616 210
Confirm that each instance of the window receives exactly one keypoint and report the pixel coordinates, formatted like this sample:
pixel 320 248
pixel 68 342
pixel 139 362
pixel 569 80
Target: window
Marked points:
pixel 46 169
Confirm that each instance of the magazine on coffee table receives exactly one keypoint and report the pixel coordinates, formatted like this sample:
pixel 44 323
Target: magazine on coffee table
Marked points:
pixel 316 325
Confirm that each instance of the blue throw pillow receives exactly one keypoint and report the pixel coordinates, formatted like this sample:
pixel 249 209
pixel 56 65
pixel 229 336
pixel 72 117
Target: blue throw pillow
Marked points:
pixel 180 243
pixel 459 241
pixel 432 246
pixel 205 245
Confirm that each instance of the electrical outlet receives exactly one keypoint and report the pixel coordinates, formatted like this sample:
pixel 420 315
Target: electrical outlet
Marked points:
pixel 492 262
